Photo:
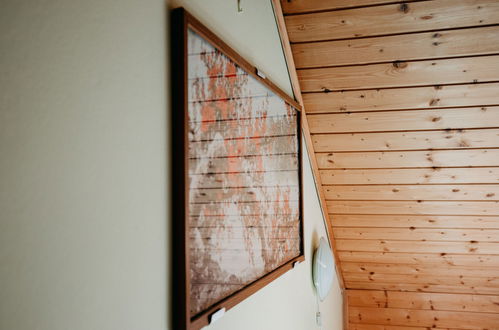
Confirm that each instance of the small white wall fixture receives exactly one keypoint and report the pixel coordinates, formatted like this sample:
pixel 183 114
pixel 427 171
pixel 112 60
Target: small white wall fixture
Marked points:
pixel 323 269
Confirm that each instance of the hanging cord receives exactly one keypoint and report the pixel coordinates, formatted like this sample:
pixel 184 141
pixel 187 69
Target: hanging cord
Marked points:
pixel 318 317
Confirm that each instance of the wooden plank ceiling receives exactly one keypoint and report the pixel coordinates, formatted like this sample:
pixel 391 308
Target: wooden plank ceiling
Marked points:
pixel 402 101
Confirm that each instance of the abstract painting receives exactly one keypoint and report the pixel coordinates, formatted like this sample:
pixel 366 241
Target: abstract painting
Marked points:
pixel 243 216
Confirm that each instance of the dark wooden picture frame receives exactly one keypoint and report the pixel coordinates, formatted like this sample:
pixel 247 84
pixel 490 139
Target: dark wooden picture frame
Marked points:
pixel 182 22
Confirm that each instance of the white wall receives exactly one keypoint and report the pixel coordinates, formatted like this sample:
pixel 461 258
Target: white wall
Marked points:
pixel 84 145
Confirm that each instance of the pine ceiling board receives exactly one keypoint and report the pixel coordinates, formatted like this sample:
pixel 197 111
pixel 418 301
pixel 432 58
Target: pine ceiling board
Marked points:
pixel 453 278
pixel 429 259
pixel 391 19
pixel 402 159
pixel 423 270
pixel 403 107
pixel 392 141
pixel 414 207
pixel 417 246
pixel 418 234
pixel 415 221
pixel 411 176
pixel 410 192
pixel 419 46
pixel 437 96
pixel 370 298
pixel 401 74
pixel 304 6
pixel 440 319
pixel 352 326
pixel 441 119
pixel 425 301
pixel 413 287
pixel 450 302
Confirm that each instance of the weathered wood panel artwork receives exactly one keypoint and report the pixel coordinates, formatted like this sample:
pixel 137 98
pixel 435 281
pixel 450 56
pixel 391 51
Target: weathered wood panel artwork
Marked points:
pixel 244 182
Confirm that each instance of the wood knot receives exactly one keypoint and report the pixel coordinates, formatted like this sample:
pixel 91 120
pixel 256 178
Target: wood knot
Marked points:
pixel 404 8
pixel 434 102
pixel 399 64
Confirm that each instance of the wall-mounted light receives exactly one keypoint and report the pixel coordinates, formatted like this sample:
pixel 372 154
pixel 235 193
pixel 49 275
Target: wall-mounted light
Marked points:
pixel 323 269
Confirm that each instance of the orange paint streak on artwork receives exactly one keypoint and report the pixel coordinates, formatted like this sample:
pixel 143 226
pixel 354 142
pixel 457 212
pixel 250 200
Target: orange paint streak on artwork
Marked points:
pixel 240 147
pixel 214 62
pixel 286 206
pixel 230 69
pixel 223 110
pixel 208 115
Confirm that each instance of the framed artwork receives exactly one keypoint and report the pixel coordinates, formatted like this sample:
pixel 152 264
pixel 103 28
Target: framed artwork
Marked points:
pixel 236 174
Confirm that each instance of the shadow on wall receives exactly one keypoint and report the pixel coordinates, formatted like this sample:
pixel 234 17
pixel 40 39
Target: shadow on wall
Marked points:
pixel 315 244
pixel 170 168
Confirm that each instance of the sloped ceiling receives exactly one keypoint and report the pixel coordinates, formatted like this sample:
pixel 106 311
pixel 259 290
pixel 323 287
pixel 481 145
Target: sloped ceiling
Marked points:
pixel 402 101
